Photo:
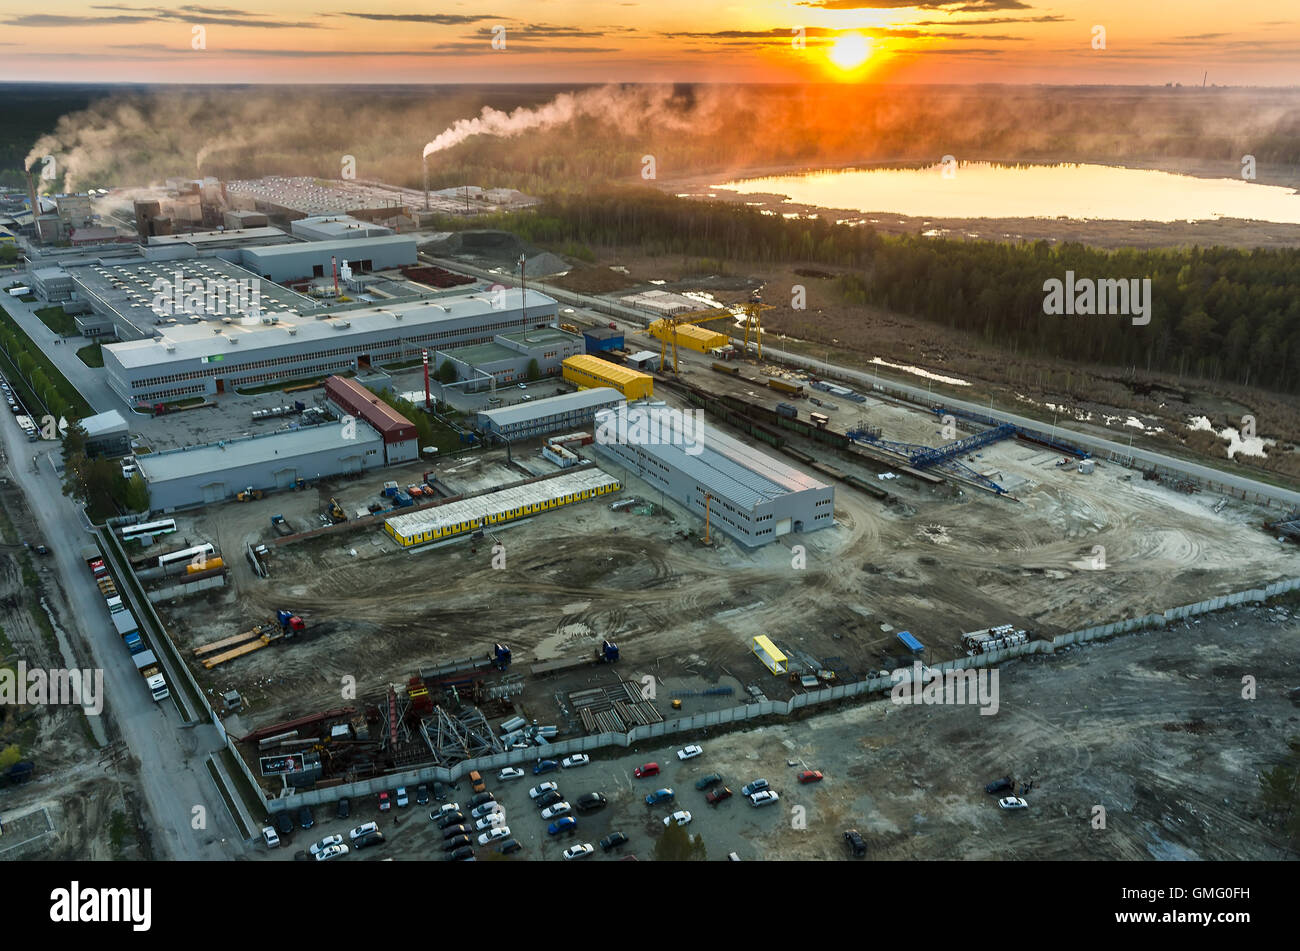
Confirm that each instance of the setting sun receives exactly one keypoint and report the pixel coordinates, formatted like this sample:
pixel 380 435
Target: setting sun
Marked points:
pixel 850 51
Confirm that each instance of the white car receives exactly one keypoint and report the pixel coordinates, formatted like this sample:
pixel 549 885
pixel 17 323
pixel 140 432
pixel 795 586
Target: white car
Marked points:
pixel 445 808
pixel 487 809
pixel 490 820
pixel 491 835
pixel 510 772
pixel 559 809
pixel 577 759
pixel 681 818
pixel 269 836
pixel 363 829
pixel 764 797
pixel 402 800
pixel 333 852
pixel 690 752
pixel 578 851
pixel 537 792
pixel 1013 802
pixel 325 843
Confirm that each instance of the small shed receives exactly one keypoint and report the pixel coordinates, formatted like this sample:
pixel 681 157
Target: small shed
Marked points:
pixel 770 655
pixel 910 642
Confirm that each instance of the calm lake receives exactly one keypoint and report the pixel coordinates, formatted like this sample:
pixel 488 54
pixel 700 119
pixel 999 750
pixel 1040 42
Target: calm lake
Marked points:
pixel 985 190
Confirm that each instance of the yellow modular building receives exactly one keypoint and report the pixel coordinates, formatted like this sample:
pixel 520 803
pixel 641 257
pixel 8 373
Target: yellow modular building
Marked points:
pixel 497 508
pixel 586 370
pixel 769 654
pixel 689 336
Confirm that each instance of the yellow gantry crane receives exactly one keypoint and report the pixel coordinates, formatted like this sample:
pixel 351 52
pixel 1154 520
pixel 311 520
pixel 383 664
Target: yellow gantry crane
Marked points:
pixel 751 312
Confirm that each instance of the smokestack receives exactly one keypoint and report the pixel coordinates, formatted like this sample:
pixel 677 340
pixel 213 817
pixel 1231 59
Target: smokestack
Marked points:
pixel 36 207
pixel 424 161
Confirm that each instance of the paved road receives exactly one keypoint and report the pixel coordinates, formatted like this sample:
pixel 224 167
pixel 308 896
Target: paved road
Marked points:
pixel 1093 442
pixel 172 777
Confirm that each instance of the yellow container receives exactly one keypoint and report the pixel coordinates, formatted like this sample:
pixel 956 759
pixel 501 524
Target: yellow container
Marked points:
pixel 587 371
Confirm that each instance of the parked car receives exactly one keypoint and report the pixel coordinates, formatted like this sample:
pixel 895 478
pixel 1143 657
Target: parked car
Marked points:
pixel 452 845
pixel 269 837
pixel 283 822
pixel 451 819
pixel 488 808
pixel 545 766
pixel 439 791
pixel 590 802
pixel 384 802
pixel 681 818
pixel 577 759
pixel 548 799
pixel 481 798
pixel 647 769
pixel 690 752
pixel 458 829
pixel 764 797
pixel 305 818
pixel 857 845
pixel 750 788
pixel 999 785
pixel 494 834
pixel 325 843
pixel 369 839
pixel 706 781
pixel 332 852
pixel 508 846
pixel 364 829
pixel 445 808
pixel 578 851
pixel 490 820
pixel 344 808
pixel 402 800
pixel 811 776
pixel 510 772
pixel 541 789
pixel 563 824
pixel 613 841
pixel 462 854
pixel 559 809
pixel 476 781
pixel 421 795
pixel 718 795
pixel 659 795
pixel 1013 802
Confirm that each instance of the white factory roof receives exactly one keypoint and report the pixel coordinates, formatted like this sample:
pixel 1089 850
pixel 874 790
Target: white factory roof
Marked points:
pixel 553 405
pixel 218 237
pixel 494 503
pixel 191 341
pixel 727 467
pixel 339 225
pixel 103 423
pixel 218 457
pixel 347 248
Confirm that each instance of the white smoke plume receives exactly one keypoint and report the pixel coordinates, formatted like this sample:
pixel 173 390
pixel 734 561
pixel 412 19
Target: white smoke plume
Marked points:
pixel 631 109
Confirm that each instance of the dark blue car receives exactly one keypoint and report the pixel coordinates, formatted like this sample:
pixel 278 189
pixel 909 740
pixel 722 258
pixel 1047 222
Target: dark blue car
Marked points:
pixel 561 825
pixel 545 766
pixel 658 796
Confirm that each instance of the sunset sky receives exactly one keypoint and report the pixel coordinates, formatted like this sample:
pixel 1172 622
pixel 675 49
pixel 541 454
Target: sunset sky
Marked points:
pixel 1247 42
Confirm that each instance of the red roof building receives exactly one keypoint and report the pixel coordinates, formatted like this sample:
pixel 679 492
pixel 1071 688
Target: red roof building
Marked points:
pixel 398 432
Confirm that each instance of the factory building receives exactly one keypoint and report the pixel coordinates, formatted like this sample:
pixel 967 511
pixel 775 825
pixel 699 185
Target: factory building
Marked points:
pixel 240 220
pixel 568 411
pixel 588 371
pixel 752 497
pixel 336 228
pixel 199 475
pixel 401 441
pixel 508 356
pixel 602 340
pixel 207 357
pixel 106 434
pixel 497 508
pixel 228 245
pixel 689 336
pixel 307 259
pixel 52 284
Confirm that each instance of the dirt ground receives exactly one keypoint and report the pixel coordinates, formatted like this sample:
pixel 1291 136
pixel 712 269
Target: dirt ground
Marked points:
pixel 1151 727
pixel 938 563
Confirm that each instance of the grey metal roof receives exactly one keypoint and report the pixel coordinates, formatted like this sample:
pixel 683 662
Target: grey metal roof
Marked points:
pixel 553 406
pixel 286 446
pixel 102 424
pixel 352 247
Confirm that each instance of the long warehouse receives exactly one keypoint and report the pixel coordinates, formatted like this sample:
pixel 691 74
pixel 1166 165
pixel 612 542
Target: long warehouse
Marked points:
pixel 589 371
pixel 550 415
pixel 497 508
pixel 752 497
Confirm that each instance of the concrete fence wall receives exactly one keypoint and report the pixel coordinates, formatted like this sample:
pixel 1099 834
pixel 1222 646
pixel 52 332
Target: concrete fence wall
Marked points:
pixel 488 765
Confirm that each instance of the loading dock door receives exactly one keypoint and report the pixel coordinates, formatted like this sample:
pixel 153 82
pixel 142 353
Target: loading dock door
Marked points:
pixel 782 527
pixel 351 464
pixel 213 491
pixel 285 478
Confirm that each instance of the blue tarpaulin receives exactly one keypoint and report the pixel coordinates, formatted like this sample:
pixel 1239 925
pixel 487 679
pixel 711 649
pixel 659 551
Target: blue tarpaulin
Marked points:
pixel 911 642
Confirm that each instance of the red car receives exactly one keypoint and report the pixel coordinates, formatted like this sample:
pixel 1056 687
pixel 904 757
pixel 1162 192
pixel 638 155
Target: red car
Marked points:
pixel 718 795
pixel 810 776
pixel 647 769
pixel 384 802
